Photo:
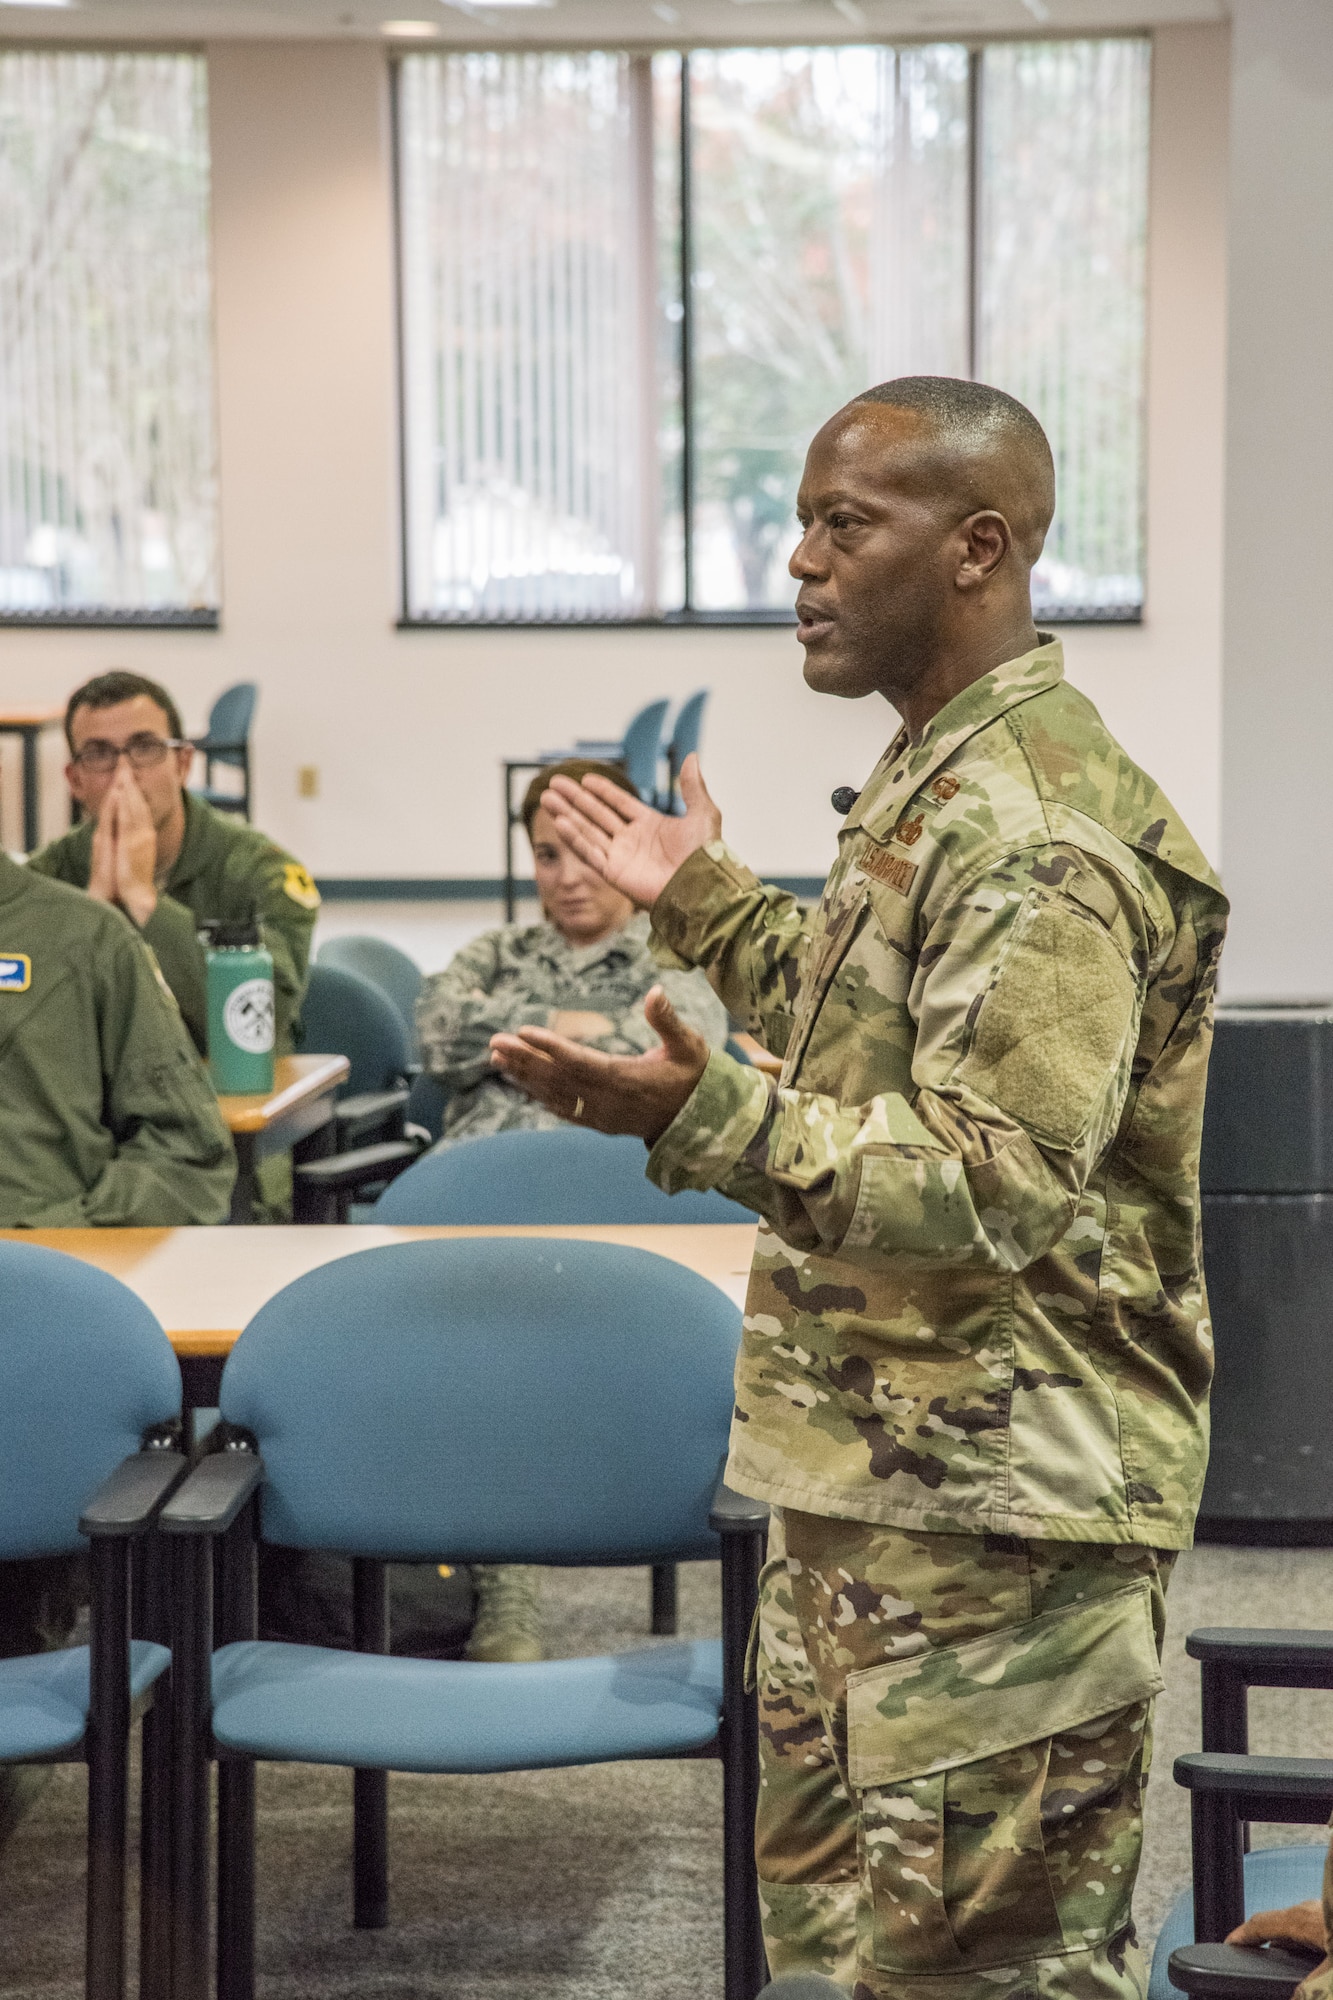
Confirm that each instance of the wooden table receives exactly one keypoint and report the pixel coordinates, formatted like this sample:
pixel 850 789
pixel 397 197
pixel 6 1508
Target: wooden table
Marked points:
pixel 205 1285
pixel 29 724
pixel 296 1117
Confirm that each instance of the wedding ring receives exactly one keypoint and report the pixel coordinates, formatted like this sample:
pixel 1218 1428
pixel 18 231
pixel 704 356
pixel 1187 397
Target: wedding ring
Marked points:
pixel 578 1107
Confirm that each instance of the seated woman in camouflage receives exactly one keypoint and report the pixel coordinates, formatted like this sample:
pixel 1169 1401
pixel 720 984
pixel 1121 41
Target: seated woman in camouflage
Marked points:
pixel 584 971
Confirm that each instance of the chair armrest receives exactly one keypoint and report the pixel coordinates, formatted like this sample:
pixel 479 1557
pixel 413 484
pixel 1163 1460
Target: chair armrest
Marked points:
pixel 130 1499
pixel 732 1513
pixel 1263 1658
pixel 1239 1971
pixel 342 1171
pixel 370 1104
pixel 1291 1791
pixel 214 1494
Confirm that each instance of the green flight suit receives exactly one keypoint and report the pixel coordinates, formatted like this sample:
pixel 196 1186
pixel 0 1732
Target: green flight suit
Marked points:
pixel 107 1115
pixel 973 1379
pixel 108 1118
pixel 224 869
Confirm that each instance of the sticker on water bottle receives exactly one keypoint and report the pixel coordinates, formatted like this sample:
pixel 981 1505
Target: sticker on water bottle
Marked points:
pixel 248 1016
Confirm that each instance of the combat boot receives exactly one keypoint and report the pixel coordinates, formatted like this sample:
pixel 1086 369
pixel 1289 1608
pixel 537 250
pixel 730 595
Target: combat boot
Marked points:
pixel 508 1625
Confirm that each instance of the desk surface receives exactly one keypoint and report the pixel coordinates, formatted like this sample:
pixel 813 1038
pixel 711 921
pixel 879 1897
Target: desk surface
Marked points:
pixel 204 1285
pixel 30 718
pixel 296 1079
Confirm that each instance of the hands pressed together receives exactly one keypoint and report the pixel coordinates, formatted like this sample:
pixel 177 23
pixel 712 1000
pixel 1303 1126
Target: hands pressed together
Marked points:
pixel 638 851
pixel 124 859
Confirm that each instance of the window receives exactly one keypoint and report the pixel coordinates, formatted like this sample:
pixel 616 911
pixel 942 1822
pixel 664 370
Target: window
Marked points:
pixel 107 461
pixel 632 288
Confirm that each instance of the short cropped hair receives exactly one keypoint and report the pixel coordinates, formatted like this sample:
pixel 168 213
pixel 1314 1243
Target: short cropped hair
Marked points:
pixel 965 413
pixel 107 690
pixel 576 768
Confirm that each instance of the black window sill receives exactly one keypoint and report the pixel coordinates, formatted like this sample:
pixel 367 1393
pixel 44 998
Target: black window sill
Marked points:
pixel 714 620
pixel 101 618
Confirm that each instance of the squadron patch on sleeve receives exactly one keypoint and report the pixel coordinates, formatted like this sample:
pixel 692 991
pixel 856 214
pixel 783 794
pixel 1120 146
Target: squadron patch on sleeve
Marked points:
pixel 298 883
pixel 15 972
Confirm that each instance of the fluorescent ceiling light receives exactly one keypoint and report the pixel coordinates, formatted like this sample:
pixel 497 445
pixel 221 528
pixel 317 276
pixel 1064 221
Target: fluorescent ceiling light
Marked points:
pixel 39 3
pixel 406 31
pixel 482 9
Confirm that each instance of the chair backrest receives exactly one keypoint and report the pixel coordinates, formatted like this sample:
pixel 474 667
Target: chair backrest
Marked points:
pixel 86 1370
pixel 342 1014
pixel 490 1399
pixel 397 976
pixel 229 719
pixel 641 748
pixel 565 1175
pixel 688 728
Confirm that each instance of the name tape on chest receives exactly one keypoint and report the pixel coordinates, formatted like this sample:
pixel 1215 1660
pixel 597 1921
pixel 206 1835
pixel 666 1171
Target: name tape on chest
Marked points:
pixel 898 873
pixel 15 972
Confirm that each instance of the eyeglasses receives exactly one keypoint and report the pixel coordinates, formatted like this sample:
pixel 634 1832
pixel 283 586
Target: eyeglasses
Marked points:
pixel 144 752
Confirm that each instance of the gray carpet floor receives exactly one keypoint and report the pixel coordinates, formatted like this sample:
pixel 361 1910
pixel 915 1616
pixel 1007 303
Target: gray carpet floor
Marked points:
pixel 600 1884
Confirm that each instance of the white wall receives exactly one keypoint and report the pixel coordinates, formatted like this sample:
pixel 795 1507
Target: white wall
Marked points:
pixel 408 727
pixel 1278 820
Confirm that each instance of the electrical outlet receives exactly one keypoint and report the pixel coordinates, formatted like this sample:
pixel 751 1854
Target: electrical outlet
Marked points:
pixel 307 781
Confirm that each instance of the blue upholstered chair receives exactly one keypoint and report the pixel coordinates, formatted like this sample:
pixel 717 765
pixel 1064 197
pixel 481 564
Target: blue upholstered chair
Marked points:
pixel 566 1174
pixel 685 734
pixel 346 1014
pixel 638 749
pixel 366 1394
pixel 397 976
pixel 227 741
pixel 1228 1789
pixel 88 1376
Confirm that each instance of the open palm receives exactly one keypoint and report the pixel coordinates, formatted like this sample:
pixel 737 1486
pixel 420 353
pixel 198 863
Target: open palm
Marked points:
pixel 636 849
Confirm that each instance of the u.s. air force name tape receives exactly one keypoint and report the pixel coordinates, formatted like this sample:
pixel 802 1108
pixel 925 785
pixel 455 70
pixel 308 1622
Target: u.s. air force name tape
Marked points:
pixel 15 972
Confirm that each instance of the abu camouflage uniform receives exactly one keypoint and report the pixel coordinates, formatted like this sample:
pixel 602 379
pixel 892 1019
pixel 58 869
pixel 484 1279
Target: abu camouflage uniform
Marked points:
pixel 976 1331
pixel 518 977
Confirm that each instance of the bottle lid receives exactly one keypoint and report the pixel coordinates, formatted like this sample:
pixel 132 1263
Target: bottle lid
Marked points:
pixel 231 933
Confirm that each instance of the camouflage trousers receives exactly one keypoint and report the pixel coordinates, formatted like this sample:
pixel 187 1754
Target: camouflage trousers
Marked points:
pixel 954 1743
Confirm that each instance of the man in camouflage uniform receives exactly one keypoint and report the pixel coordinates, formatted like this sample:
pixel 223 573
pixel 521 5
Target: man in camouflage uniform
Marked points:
pixel 974 1374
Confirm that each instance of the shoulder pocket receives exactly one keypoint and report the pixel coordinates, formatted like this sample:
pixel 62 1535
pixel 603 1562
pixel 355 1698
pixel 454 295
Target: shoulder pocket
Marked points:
pixel 1051 1028
pixel 959 1704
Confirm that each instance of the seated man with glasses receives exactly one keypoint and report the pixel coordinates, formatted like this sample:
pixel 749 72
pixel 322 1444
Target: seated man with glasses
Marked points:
pixel 167 859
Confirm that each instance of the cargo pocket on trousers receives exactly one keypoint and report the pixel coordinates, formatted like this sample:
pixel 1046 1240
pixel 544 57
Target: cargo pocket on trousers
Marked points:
pixel 948 1752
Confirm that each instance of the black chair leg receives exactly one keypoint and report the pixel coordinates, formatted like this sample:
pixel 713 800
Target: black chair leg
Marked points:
pixel 370 1850
pixel 191 1664
pixel 236 1879
pixel 155 1850
pixel 664 1612
pixel 370 1789
pixel 108 1770
pixel 155 1784
pixel 745 1967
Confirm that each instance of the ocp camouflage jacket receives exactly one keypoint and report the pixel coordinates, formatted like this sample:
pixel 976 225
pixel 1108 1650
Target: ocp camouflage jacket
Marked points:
pixel 977 1303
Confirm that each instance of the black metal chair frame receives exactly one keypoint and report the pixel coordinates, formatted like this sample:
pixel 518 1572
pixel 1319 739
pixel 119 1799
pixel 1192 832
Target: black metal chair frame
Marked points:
pixel 117 1521
pixel 218 1507
pixel 1228 1789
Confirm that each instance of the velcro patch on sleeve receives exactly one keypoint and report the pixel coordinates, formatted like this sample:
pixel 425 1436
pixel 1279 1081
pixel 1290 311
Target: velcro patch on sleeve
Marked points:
pixel 299 884
pixel 888 868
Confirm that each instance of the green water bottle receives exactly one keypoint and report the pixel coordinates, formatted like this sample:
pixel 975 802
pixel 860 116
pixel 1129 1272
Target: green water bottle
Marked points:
pixel 240 1009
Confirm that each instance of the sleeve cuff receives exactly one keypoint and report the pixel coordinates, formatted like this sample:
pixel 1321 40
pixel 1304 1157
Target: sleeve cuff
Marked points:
pixel 710 1133
pixel 710 880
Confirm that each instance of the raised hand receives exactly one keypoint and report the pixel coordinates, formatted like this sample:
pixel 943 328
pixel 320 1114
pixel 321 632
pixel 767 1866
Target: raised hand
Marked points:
pixel 636 849
pixel 638 1094
pixel 136 848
